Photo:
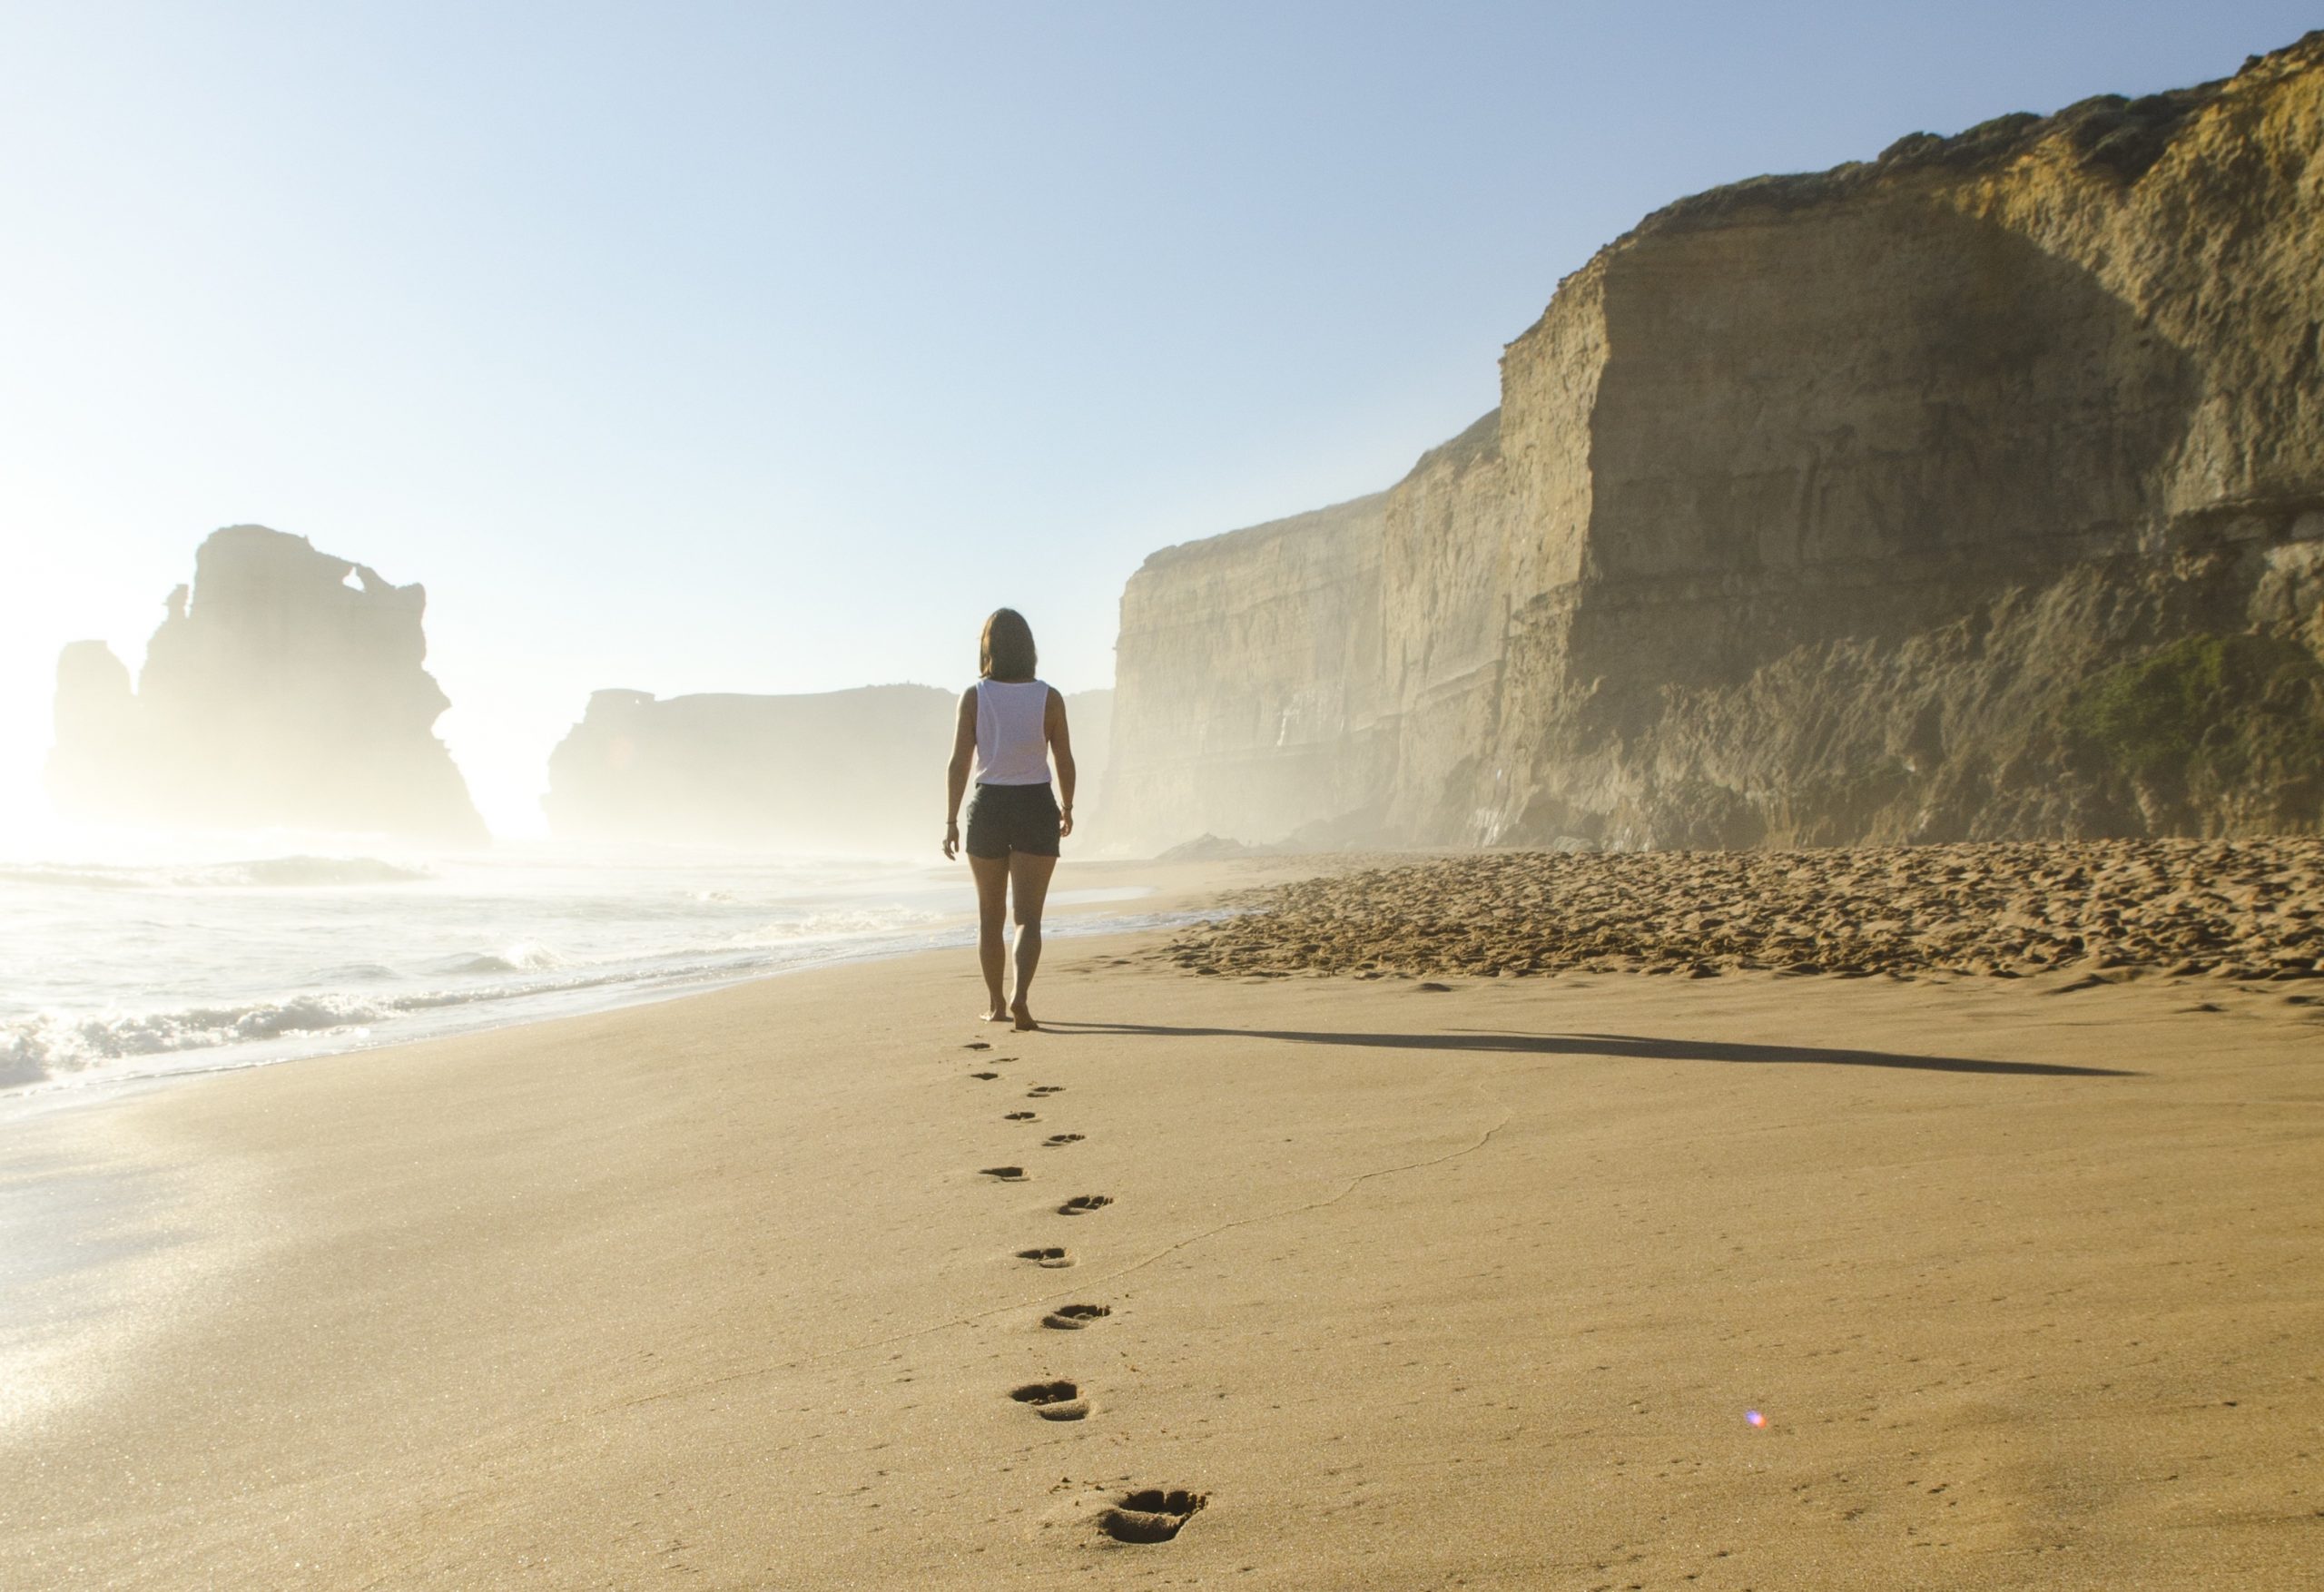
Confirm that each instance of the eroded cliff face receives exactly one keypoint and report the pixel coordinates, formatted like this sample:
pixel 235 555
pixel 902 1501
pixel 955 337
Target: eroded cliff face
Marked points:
pixel 1250 662
pixel 858 771
pixel 285 689
pixel 1842 507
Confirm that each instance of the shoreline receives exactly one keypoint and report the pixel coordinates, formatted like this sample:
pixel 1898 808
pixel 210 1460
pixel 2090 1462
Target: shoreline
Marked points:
pixel 1408 1284
pixel 1163 905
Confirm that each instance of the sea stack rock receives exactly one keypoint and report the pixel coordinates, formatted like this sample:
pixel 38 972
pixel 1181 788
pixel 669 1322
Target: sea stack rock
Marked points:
pixel 1972 492
pixel 285 689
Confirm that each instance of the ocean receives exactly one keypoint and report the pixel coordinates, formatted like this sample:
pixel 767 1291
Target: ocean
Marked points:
pixel 159 962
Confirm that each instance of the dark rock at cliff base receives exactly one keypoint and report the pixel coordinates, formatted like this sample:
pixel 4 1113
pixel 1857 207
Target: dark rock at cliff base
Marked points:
pixel 284 690
pixel 1974 491
pixel 860 771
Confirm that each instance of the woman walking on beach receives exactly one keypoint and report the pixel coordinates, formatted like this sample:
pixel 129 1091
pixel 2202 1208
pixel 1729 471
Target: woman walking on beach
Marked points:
pixel 1011 724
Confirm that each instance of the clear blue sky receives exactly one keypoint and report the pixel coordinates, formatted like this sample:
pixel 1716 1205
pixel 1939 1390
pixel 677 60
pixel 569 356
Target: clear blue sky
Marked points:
pixel 694 347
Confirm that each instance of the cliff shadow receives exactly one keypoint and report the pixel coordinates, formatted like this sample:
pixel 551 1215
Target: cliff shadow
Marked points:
pixel 1882 411
pixel 1640 1047
pixel 1842 459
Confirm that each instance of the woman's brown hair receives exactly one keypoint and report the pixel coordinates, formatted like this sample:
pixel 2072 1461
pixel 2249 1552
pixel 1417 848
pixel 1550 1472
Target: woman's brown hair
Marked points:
pixel 1006 651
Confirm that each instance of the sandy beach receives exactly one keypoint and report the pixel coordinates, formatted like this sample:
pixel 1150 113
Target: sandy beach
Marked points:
pixel 1584 1280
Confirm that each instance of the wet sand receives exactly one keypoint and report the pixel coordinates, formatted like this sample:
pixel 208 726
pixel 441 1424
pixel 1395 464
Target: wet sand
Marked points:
pixel 1406 1287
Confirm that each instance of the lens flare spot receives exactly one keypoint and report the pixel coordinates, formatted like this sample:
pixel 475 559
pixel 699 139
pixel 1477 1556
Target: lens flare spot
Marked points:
pixel 1754 1418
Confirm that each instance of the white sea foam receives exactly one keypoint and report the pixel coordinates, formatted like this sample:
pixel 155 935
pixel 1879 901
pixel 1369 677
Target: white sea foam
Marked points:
pixel 120 969
pixel 50 1043
pixel 252 873
pixel 525 956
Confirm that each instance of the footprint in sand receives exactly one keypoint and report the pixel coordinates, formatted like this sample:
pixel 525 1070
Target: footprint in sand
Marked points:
pixel 1022 1116
pixel 1051 1256
pixel 1002 1174
pixel 1152 1514
pixel 1056 1140
pixel 1082 1204
pixel 975 1045
pixel 1038 1090
pixel 987 1077
pixel 1072 1318
pixel 1057 1401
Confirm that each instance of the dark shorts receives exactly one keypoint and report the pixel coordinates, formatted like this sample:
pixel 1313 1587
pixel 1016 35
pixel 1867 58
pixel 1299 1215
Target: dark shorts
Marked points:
pixel 1012 818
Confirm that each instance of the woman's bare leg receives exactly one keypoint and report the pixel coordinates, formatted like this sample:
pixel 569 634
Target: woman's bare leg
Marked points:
pixel 991 874
pixel 1029 880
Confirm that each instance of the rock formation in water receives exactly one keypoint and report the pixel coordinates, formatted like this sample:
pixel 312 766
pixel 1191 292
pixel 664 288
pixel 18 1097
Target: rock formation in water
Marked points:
pixel 849 771
pixel 284 690
pixel 1976 491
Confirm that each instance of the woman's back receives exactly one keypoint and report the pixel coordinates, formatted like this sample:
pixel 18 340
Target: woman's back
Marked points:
pixel 1012 732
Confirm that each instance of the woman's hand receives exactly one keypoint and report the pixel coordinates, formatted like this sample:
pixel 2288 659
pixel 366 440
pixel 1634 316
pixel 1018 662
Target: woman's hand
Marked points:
pixel 1064 823
pixel 951 839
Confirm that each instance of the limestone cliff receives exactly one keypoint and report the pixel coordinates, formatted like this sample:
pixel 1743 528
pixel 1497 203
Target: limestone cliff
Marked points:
pixel 285 689
pixel 1251 661
pixel 851 771
pixel 1866 504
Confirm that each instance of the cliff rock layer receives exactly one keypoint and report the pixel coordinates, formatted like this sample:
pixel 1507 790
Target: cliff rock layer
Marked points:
pixel 285 689
pixel 1976 491
pixel 852 772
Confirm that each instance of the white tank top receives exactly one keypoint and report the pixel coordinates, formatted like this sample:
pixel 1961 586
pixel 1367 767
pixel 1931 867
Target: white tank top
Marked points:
pixel 1012 732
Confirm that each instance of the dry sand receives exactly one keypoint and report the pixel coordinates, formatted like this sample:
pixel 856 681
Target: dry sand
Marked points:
pixel 2247 910
pixel 1415 1289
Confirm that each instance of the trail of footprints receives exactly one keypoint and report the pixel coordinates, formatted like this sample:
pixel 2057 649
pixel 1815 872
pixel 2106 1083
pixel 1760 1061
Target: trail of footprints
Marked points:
pixel 1144 1515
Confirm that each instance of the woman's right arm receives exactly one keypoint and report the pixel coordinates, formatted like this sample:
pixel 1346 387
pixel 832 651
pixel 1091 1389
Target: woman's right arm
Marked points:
pixel 956 772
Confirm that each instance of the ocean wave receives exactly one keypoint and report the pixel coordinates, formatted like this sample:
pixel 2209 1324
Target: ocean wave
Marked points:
pixel 252 873
pixel 311 872
pixel 49 1044
pixel 526 955
pixel 835 926
pixel 52 875
pixel 353 973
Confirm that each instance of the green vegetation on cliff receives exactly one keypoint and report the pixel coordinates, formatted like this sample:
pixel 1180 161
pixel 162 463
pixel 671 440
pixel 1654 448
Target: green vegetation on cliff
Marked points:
pixel 2208 713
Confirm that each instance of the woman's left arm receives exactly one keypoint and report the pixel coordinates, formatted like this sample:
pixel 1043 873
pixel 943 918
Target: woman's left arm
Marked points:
pixel 1061 749
pixel 956 772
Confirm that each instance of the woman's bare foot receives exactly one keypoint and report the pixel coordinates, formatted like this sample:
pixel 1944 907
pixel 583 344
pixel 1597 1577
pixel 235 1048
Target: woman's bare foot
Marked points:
pixel 1023 1015
pixel 998 1014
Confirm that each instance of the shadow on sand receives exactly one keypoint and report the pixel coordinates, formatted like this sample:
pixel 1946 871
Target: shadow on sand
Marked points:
pixel 1613 1045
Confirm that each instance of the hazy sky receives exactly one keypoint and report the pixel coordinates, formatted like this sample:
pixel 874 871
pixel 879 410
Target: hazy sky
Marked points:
pixel 692 347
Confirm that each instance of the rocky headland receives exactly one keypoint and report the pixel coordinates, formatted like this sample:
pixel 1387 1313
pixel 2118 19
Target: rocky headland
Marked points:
pixel 859 770
pixel 1973 492
pixel 285 689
